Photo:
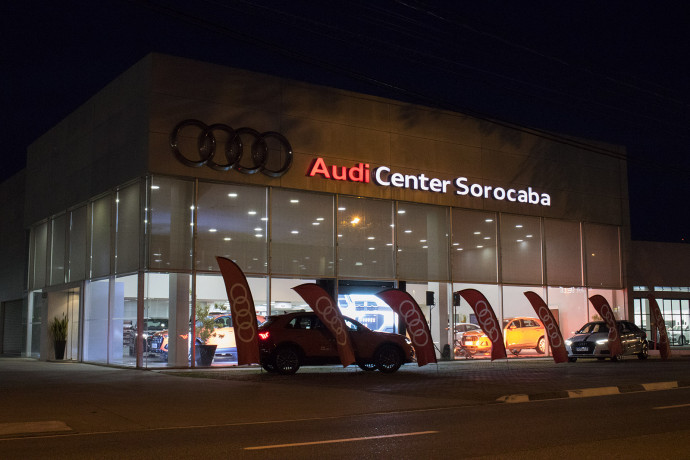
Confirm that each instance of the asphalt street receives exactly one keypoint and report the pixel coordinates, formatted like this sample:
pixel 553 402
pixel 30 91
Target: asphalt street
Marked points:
pixel 108 412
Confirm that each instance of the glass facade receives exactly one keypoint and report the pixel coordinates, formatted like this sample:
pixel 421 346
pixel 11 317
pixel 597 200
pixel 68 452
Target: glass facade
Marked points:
pixel 145 256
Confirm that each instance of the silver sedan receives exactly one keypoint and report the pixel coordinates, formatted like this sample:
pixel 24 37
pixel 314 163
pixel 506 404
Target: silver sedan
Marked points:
pixel 592 341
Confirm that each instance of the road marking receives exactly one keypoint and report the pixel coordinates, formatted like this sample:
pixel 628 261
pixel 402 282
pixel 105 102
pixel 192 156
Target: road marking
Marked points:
pixel 590 392
pixel 671 407
pixel 47 426
pixel 332 441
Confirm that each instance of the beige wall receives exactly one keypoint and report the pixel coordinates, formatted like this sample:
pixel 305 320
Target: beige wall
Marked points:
pixel 347 128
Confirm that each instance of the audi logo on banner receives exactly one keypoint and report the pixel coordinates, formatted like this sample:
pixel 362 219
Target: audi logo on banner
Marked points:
pixel 263 157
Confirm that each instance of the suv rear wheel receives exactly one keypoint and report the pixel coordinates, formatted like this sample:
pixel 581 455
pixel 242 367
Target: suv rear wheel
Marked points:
pixel 541 346
pixel 644 352
pixel 388 358
pixel 287 360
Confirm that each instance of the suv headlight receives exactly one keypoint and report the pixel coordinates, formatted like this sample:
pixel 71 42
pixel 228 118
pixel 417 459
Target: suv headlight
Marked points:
pixel 568 342
pixel 602 341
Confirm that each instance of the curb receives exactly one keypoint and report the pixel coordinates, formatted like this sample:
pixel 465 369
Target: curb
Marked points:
pixel 591 392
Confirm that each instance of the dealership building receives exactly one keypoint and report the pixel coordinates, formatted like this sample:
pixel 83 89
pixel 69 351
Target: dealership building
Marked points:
pixel 125 204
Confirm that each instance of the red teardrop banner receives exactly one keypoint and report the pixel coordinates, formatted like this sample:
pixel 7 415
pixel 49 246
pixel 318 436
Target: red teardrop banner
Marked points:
pixel 242 310
pixel 560 354
pixel 659 324
pixel 602 307
pixel 487 320
pixel 404 305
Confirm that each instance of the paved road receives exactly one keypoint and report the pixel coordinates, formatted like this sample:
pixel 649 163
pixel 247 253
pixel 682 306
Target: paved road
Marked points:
pixel 135 413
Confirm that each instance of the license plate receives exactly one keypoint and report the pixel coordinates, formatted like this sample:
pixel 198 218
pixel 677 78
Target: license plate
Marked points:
pixel 581 349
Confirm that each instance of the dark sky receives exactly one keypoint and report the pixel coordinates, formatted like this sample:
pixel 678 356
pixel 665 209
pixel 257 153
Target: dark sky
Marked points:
pixel 613 71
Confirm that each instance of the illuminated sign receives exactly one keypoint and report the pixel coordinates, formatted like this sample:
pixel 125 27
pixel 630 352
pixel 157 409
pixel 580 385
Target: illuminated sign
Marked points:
pixel 383 176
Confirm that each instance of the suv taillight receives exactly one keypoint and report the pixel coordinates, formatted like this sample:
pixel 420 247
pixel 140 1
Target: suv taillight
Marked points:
pixel 264 335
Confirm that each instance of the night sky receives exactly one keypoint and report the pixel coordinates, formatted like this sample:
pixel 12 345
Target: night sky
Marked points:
pixel 612 71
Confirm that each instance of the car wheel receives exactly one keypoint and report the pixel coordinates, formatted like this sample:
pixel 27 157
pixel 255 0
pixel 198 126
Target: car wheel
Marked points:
pixel 367 366
pixel 287 360
pixel 682 340
pixel 572 360
pixel 388 358
pixel 617 358
pixel 515 351
pixel 541 346
pixel 644 352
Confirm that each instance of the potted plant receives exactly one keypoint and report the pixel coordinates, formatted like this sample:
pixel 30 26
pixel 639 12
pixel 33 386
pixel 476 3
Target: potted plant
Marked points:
pixel 58 330
pixel 205 329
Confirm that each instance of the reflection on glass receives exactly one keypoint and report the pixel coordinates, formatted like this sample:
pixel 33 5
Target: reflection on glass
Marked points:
pixel 302 237
pixel 473 246
pixel 365 238
pixel 232 222
pixel 521 249
pixel 422 235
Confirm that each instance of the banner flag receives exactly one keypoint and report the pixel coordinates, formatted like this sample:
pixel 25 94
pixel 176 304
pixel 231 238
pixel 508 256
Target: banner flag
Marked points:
pixel 487 321
pixel 560 355
pixel 404 305
pixel 659 324
pixel 328 312
pixel 242 310
pixel 602 307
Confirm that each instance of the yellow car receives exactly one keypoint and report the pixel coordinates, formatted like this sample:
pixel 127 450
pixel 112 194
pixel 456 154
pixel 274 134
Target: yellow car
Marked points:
pixel 518 334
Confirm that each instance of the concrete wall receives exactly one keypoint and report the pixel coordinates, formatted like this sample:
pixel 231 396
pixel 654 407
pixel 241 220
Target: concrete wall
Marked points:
pixel 659 264
pixel 14 240
pixel 100 145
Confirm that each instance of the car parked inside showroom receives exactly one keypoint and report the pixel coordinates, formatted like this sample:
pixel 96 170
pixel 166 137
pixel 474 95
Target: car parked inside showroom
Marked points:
pixel 289 341
pixel 678 335
pixel 592 341
pixel 518 334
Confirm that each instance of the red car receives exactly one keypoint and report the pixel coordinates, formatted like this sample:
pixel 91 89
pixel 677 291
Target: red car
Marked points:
pixel 288 341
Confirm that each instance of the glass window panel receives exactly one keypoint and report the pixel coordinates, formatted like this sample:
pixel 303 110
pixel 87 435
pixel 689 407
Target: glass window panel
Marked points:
pixel 123 319
pixel 473 246
pixel 422 233
pixel 615 299
pixel 602 255
pixel 100 237
pixel 563 252
pixel 77 245
pixel 96 300
pixel 284 299
pixel 464 318
pixel 232 222
pixel 57 249
pixel 523 333
pixel 521 260
pixel 40 245
pixel 569 306
pixel 302 237
pixel 167 313
pixel 170 223
pixel 365 238
pixel 128 224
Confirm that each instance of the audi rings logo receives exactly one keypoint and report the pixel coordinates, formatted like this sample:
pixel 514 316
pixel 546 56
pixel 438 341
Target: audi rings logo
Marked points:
pixel 415 322
pixel 271 153
pixel 485 319
pixel 243 322
pixel 550 325
pixel 325 306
